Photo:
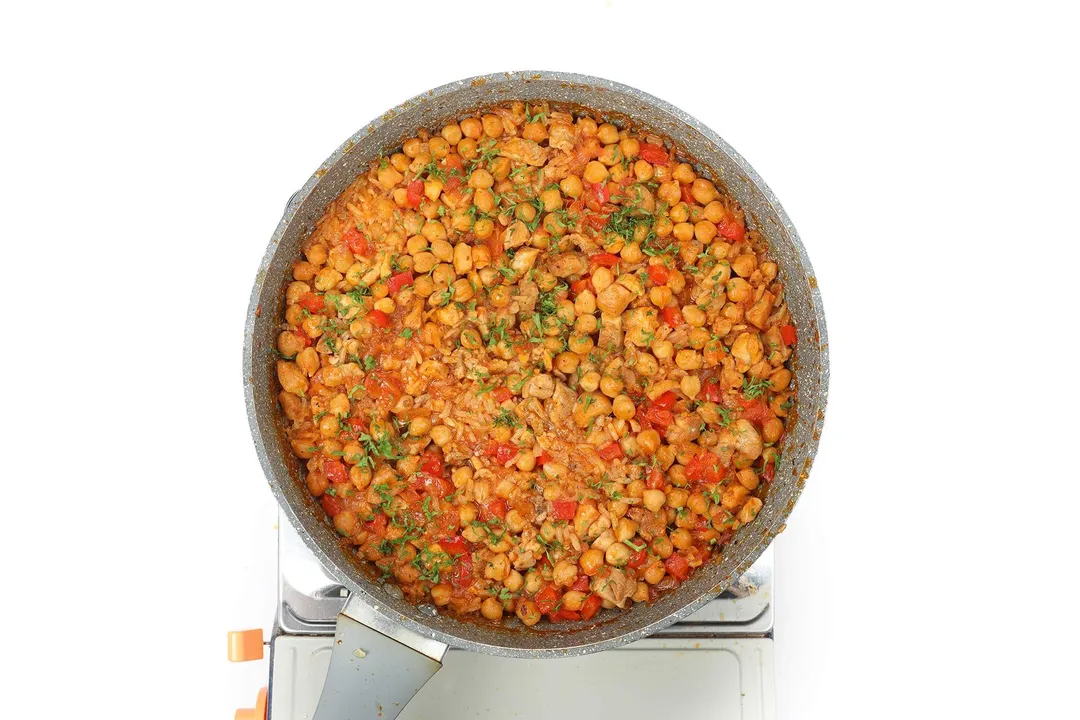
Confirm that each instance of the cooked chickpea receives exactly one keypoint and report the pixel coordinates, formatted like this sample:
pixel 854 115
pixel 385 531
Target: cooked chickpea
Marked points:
pixel 528 613
pixel 623 407
pixel 591 561
pixel 611 385
pixel 648 441
pixel 682 539
pixel 688 359
pixel 571 185
pixel 772 430
pixel 440 435
pixel 653 500
pixel 491 608
pixel 595 172
pixel 564 573
pixel 590 381
pixel 617 554
pixel 744 265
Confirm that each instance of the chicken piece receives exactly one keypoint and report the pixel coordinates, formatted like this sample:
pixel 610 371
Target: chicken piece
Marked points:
pixel 684 428
pixel 650 524
pixel 516 235
pixel 561 405
pixel 614 299
pixel 532 412
pixel 561 136
pixel 747 440
pixel 522 150
pixel 641 326
pixel 589 406
pixel 747 350
pixel 539 386
pixel 528 294
pixel 611 332
pixel 567 264
pixel 582 242
pixel 613 585
pixel 524 259
pixel 759 313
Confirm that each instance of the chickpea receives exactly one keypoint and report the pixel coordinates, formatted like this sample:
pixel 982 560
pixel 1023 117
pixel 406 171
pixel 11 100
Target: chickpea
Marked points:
pixel 440 594
pixel 630 147
pixel 572 186
pixel 493 125
pixel 750 510
pixel 688 359
pixel 772 430
pixel 591 561
pixel 607 134
pixel 611 385
pixel 572 600
pixel 513 581
pixel 747 478
pixel 694 316
pixel 491 608
pixel 590 381
pixel 472 128
pixel 643 171
pixel 682 539
pixel 527 612
pixel 654 573
pixel 683 232
pixel 526 462
pixel 653 500
pixel 316 254
pixel 595 172
pixel 648 441
pixel 617 554
pixel 440 435
pixel 623 407
pixel 697 504
pixel 533 581
pixel 779 380
pixel 677 497
pixel 704 231
pixel 646 365
pixel 564 574
pixel 566 362
pixel 704 192
pixel 585 303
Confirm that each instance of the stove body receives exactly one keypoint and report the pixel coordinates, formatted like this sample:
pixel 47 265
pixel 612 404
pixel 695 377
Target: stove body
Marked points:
pixel 717 663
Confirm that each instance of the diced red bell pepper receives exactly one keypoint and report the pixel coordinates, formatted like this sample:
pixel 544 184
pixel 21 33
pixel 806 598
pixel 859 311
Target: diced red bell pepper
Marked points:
pixel 312 303
pixel 666 400
pixel 600 192
pixel 581 584
pixel 560 615
pixel 453 185
pixel 672 316
pixel 357 423
pixel 755 410
pixel 638 559
pixel 563 509
pixel 334 470
pixel 611 451
pixel 604 259
pixel 414 193
pixel 454 545
pixel 659 274
pixel 357 242
pixel 454 162
pixel 769 471
pixel 580 285
pixel 495 244
pixel 656 416
pixel 547 599
pixel 462 574
pixel 494 509
pixel 731 228
pixel 381 384
pixel 543 458
pixel 501 394
pixel 595 221
pixel 710 390
pixel 687 194
pixel 377 526
pixel 677 567
pixel 787 333
pixel 304 337
pixel 653 154
pixel 431 462
pixel 396 282
pixel 379 319
pixel 656 479
pixel 501 452
pixel 590 607
pixel 331 504
pixel 704 467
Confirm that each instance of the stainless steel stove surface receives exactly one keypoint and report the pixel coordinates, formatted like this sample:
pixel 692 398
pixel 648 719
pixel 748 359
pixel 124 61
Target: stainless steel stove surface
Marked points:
pixel 715 663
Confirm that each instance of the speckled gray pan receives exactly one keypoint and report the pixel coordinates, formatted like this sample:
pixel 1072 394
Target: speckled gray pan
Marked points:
pixel 712 157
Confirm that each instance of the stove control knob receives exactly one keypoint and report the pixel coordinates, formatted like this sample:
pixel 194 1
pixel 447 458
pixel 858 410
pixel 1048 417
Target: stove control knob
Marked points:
pixel 256 713
pixel 245 645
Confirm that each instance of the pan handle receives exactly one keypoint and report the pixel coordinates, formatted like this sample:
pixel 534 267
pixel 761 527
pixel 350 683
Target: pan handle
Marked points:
pixel 376 666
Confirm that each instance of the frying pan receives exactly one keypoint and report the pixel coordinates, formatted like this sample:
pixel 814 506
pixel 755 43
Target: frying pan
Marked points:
pixel 388 647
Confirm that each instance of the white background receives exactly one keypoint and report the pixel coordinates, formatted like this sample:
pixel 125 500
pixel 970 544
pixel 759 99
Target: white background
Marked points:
pixel 927 153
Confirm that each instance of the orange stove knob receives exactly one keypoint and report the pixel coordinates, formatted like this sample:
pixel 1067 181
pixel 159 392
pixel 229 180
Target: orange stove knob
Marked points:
pixel 256 713
pixel 245 645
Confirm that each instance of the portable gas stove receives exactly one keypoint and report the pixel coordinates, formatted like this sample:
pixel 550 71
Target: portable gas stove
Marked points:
pixel 719 659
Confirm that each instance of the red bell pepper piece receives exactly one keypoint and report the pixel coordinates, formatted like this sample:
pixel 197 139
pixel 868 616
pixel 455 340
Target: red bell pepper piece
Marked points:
pixel 547 599
pixel 379 319
pixel 462 575
pixel 501 394
pixel 312 303
pixel 580 285
pixel 581 584
pixel 377 526
pixel 431 462
pixel 611 451
pixel 656 479
pixel 495 508
pixel 710 390
pixel 687 195
pixel 638 559
pixel 331 504
pixel 605 259
pixel 653 154
pixel 454 545
pixel 787 333
pixel 396 282
pixel 666 400
pixel 414 193
pixel 560 615
pixel 731 228
pixel 502 452
pixel 304 337
pixel 563 509
pixel 596 222
pixel 590 607
pixel 543 458
pixel 704 467
pixel 357 242
pixel 677 567
pixel 672 316
pixel 659 274
pixel 656 416
pixel 334 470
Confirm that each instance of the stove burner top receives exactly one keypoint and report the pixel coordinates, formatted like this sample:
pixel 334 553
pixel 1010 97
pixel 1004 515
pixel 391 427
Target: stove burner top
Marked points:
pixel 309 598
